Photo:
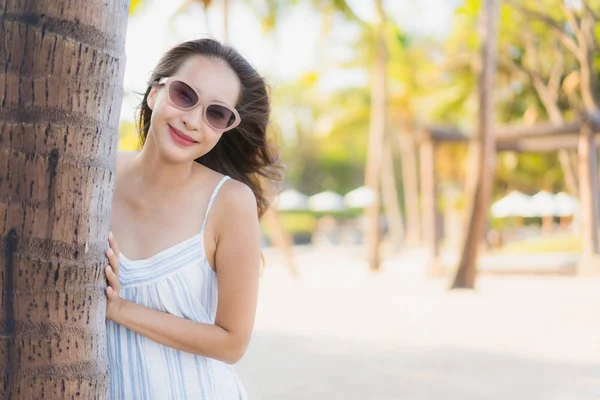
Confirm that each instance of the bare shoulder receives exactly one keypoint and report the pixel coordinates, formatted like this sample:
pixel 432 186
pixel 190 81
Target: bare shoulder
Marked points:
pixel 235 208
pixel 236 220
pixel 237 197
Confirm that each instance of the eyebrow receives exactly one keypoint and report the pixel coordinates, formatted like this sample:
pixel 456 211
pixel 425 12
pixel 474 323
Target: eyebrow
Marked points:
pixel 200 92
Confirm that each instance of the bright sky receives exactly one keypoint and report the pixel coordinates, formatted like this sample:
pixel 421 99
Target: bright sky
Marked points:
pixel 286 55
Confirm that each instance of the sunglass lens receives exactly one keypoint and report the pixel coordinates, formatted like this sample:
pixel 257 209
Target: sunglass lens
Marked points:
pixel 220 117
pixel 182 95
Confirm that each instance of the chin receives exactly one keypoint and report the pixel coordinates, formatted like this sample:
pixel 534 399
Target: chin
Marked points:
pixel 175 154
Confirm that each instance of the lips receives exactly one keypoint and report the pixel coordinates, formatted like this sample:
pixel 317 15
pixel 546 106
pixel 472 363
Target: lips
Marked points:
pixel 182 137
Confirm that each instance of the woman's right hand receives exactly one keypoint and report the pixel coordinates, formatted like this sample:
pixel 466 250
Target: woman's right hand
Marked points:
pixel 113 299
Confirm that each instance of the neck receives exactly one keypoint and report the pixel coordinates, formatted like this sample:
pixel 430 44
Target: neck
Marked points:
pixel 158 176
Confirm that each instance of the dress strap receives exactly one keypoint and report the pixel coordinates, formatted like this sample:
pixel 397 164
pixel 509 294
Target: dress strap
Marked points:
pixel 212 199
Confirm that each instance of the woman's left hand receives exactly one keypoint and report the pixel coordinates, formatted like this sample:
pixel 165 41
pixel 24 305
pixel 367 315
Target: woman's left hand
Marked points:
pixel 113 299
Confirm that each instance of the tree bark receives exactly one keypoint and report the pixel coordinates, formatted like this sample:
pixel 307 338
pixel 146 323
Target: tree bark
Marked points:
pixel 467 269
pixel 61 72
pixel 376 136
pixel 390 198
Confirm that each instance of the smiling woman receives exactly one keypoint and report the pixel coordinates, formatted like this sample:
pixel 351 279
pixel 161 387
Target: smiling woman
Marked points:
pixel 183 279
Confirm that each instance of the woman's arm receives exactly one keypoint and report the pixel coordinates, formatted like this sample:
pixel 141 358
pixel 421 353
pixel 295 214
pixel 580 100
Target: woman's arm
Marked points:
pixel 238 264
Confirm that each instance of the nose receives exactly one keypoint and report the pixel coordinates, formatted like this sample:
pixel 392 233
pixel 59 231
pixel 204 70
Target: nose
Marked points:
pixel 192 119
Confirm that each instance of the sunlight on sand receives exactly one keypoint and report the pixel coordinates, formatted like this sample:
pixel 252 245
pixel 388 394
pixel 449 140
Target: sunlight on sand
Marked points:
pixel 340 332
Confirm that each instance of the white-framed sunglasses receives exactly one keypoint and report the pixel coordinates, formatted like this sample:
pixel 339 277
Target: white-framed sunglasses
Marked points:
pixel 182 95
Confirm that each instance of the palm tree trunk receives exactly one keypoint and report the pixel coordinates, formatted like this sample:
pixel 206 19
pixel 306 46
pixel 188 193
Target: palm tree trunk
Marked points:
pixel 226 21
pixel 588 167
pixel 410 184
pixel 390 198
pixel 467 269
pixel 61 73
pixel 376 137
pixel 430 215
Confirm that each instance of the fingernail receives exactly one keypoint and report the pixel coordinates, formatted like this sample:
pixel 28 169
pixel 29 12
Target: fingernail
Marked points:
pixel 109 252
pixel 110 235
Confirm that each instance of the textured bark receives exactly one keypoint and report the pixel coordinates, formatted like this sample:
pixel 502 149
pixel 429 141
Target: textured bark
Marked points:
pixel 61 71
pixel 467 269
pixel 376 137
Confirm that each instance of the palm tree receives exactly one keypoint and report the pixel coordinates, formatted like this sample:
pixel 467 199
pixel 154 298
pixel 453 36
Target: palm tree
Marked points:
pixel 376 139
pixel 60 95
pixel 480 190
pixel 576 31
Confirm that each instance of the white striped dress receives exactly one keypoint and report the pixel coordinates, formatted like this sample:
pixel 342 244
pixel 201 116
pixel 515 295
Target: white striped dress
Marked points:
pixel 180 281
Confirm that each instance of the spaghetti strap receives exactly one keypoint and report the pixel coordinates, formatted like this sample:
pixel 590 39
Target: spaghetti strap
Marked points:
pixel 212 200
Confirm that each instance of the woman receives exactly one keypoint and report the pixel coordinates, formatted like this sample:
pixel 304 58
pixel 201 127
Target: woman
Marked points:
pixel 186 214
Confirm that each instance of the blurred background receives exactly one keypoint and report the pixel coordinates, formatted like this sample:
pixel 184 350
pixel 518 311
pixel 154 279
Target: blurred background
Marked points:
pixel 436 236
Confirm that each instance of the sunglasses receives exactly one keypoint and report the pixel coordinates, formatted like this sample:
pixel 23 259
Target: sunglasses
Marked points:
pixel 183 96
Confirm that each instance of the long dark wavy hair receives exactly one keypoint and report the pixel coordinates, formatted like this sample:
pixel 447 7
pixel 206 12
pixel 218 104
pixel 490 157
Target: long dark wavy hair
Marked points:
pixel 244 153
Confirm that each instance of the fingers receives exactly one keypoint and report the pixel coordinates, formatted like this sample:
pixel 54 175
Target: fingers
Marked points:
pixel 113 243
pixel 111 294
pixel 112 277
pixel 112 269
pixel 113 253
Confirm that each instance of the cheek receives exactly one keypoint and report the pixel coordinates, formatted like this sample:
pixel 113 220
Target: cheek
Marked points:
pixel 163 111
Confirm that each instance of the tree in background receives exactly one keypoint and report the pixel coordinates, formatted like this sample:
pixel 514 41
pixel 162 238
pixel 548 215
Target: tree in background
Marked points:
pixel 483 151
pixel 377 128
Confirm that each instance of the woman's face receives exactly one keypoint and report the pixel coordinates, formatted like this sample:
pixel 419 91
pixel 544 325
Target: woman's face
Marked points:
pixel 181 135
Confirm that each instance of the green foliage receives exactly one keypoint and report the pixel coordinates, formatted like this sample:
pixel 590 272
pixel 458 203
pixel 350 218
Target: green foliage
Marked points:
pixel 528 173
pixel 330 153
pixel 325 133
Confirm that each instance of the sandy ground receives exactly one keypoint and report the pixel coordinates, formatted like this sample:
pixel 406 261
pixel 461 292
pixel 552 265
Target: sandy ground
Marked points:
pixel 340 332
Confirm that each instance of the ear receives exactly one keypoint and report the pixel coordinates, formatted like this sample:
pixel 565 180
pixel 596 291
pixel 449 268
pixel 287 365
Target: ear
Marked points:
pixel 152 97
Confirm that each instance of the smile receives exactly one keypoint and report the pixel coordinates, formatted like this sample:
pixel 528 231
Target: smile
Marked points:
pixel 180 137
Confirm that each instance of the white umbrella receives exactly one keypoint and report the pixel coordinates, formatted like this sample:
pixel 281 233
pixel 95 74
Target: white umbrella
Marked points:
pixel 566 204
pixel 515 204
pixel 291 199
pixel 360 197
pixel 543 204
pixel 326 201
